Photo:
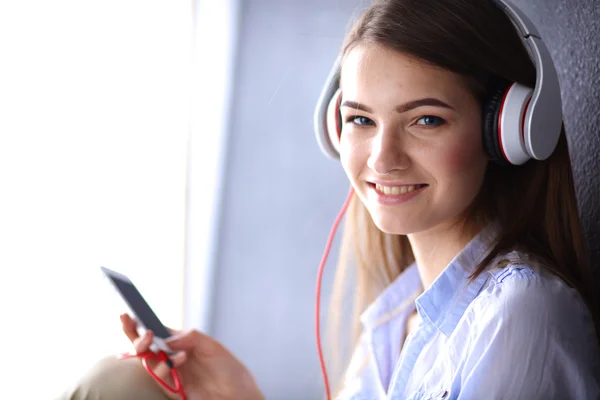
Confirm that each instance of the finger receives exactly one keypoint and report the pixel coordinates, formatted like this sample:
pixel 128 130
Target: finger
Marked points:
pixel 129 327
pixel 174 332
pixel 194 341
pixel 178 359
pixel 161 369
pixel 163 372
pixel 142 343
pixel 181 340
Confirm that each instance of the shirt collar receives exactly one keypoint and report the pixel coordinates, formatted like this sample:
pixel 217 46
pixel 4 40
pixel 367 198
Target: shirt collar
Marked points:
pixel 398 296
pixel 445 301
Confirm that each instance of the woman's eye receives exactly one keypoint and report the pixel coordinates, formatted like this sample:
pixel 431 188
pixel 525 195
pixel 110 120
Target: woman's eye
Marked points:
pixel 358 120
pixel 430 120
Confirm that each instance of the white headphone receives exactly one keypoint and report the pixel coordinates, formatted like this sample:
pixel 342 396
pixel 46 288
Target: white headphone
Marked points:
pixel 519 123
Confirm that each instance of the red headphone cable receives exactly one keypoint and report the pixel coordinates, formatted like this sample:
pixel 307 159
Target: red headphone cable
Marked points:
pixel 319 276
pixel 160 356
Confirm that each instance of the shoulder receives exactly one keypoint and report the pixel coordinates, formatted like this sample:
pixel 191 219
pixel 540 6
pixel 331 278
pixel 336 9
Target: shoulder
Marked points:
pixel 534 332
pixel 528 296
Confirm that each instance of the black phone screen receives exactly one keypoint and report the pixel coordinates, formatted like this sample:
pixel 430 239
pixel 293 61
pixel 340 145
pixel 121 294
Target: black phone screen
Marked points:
pixel 139 306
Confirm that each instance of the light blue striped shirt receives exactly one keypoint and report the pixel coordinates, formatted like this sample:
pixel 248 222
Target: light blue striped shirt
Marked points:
pixel 516 332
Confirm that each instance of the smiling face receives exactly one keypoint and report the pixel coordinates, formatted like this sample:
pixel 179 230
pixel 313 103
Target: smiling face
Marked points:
pixel 411 140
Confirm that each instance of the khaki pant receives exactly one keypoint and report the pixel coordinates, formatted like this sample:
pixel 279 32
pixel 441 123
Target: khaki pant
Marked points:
pixel 114 379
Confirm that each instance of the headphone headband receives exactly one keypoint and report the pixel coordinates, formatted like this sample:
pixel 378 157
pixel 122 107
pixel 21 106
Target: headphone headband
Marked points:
pixel 542 122
pixel 320 116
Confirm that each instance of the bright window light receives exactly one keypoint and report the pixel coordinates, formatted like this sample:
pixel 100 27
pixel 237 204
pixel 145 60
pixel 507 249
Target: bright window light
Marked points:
pixel 94 123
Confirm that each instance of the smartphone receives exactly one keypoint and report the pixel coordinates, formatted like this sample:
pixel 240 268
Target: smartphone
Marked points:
pixel 142 313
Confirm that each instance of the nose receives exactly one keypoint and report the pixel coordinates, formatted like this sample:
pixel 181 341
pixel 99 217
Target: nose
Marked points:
pixel 388 151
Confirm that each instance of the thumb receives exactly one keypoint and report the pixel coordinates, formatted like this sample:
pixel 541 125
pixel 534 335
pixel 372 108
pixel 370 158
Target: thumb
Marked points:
pixel 194 340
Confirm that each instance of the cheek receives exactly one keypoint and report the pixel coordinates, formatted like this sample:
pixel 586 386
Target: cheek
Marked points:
pixel 464 157
pixel 348 160
pixel 459 159
pixel 351 157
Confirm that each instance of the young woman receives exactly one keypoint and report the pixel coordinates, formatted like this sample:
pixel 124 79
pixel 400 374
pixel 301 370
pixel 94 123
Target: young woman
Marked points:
pixel 473 279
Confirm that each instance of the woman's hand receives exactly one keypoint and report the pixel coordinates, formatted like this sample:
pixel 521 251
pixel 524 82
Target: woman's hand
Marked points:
pixel 207 370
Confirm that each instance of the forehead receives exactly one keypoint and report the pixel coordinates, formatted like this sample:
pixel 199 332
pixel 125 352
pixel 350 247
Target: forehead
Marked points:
pixel 370 68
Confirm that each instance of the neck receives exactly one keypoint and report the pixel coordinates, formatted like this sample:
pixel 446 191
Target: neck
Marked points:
pixel 435 248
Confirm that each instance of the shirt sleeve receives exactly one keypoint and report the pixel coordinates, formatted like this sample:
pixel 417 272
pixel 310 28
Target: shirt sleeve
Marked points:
pixel 532 338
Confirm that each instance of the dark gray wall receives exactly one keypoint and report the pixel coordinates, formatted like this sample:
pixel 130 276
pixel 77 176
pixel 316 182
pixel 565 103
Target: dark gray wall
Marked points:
pixel 571 30
pixel 282 195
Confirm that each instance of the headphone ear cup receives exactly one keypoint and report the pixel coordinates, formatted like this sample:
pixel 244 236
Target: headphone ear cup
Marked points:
pixel 490 114
pixel 334 120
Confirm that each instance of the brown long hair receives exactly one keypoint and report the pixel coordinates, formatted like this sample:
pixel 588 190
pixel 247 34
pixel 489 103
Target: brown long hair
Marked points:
pixel 535 203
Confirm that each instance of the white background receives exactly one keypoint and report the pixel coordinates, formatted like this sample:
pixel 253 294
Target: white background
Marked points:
pixel 94 125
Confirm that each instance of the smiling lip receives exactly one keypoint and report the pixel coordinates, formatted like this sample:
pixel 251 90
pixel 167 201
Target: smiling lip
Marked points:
pixel 394 199
pixel 391 183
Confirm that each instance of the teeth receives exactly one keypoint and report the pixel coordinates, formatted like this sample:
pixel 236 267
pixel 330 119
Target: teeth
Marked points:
pixel 394 190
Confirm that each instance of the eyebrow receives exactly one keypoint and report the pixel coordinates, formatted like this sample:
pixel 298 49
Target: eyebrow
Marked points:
pixel 428 101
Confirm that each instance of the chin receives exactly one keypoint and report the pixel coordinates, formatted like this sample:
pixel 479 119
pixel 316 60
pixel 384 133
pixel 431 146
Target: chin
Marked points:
pixel 395 225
